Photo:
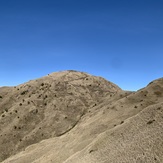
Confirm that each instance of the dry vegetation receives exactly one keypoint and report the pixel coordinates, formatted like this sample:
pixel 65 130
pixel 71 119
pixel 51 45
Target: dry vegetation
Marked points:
pixel 73 117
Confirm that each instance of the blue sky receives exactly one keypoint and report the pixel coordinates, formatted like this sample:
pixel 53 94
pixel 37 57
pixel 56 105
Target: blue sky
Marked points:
pixel 120 40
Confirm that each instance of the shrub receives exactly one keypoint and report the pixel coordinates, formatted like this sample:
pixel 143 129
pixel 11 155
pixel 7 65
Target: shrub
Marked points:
pixel 158 93
pixel 24 92
pixel 91 151
pixel 42 84
pixel 151 121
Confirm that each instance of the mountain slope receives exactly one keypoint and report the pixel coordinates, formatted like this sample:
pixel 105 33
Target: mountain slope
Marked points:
pixel 109 125
pixel 47 107
pixel 139 139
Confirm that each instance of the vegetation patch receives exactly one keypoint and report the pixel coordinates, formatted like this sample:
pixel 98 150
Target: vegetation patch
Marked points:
pixel 158 93
pixel 150 122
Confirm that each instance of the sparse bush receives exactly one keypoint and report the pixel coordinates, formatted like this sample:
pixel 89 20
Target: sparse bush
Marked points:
pixel 39 96
pixel 151 121
pixel 24 92
pixel 150 83
pixel 20 104
pixel 91 151
pixel 158 93
pixel 42 84
pixel 0 96
pixel 158 108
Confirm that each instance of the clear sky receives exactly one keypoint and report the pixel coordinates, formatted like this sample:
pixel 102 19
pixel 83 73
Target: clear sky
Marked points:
pixel 120 40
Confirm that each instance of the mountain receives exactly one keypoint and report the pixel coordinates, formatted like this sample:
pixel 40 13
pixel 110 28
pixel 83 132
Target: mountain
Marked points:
pixel 74 117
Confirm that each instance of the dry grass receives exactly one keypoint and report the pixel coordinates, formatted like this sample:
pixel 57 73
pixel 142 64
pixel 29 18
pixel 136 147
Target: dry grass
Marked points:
pixel 73 117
